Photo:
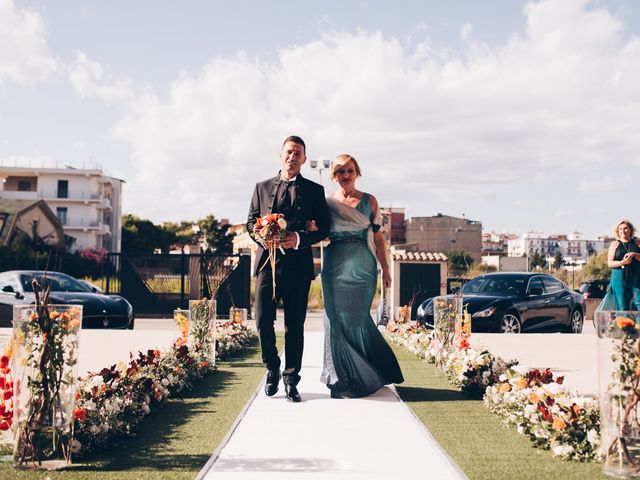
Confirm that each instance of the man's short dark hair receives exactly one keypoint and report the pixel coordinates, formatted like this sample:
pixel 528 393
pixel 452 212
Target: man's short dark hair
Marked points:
pixel 295 139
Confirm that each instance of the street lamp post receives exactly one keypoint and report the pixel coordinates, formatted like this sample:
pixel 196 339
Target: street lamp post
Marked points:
pixel 319 166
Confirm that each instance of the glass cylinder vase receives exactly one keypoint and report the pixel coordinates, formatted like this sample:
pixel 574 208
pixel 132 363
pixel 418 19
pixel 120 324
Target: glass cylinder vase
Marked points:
pixel 446 309
pixel 619 386
pixel 45 373
pixel 181 319
pixel 238 315
pixel 402 314
pixel 201 338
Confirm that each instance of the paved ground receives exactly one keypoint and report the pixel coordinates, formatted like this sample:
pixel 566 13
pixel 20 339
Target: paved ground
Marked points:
pixel 574 356
pixel 325 438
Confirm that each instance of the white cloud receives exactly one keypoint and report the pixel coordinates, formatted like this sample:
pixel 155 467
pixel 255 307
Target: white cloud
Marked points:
pixel 562 212
pixel 465 31
pixel 88 80
pixel 600 185
pixel 24 52
pixel 429 125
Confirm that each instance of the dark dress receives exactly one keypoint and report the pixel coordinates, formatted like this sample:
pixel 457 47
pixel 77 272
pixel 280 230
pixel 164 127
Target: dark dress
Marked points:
pixel 625 282
pixel 357 361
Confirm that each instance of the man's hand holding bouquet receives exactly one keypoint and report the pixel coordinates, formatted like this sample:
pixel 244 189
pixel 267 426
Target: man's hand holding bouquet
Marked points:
pixel 271 230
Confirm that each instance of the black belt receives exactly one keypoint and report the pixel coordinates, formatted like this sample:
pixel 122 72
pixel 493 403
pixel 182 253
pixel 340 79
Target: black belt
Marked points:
pixel 349 240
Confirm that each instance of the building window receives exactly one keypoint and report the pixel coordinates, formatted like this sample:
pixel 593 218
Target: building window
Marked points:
pixel 24 186
pixel 63 189
pixel 61 213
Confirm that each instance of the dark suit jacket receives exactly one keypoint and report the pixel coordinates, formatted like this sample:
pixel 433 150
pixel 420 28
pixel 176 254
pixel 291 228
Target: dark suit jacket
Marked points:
pixel 310 204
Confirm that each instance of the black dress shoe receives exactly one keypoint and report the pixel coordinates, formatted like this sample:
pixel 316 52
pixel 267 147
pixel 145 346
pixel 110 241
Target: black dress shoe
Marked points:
pixel 271 386
pixel 292 394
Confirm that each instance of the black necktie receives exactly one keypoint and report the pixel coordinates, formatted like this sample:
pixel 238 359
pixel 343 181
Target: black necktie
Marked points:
pixel 287 193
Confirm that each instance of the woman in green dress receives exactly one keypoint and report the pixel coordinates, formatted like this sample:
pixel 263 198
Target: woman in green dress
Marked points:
pixel 357 359
pixel 624 260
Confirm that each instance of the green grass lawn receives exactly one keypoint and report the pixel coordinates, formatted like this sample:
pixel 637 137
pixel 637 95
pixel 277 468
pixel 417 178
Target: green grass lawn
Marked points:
pixel 176 440
pixel 474 437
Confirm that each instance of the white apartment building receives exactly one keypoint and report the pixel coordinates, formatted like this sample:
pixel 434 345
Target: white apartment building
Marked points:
pixel 573 247
pixel 87 202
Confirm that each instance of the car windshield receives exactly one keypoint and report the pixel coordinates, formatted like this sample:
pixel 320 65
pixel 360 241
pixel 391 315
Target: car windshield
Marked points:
pixel 57 283
pixel 502 285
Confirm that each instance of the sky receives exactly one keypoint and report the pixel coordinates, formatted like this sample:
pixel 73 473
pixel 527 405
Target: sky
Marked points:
pixel 521 115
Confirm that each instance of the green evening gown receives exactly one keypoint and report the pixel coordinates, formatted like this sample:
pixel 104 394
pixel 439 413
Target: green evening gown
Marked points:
pixel 357 359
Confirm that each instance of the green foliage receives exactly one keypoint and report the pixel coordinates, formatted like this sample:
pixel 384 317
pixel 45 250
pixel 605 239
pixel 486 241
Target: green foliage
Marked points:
pixel 459 261
pixel 537 261
pixel 141 235
pixel 597 267
pixel 209 230
pixel 558 261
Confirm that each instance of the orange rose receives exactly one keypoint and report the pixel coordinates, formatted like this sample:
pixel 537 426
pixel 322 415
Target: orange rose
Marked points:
pixel 533 398
pixel 623 322
pixel 558 424
pixel 522 383
pixel 505 387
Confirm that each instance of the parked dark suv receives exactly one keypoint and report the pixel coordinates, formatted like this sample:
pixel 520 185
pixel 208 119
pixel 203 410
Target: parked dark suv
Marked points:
pixel 594 289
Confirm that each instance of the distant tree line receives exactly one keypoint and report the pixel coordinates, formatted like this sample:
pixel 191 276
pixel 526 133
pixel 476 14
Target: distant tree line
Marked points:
pixel 143 236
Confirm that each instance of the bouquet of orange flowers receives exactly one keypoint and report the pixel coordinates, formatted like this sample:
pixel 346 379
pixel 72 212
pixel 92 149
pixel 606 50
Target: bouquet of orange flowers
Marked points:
pixel 270 230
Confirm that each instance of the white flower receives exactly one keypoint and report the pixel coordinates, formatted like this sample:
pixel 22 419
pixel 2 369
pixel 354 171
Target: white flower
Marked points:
pixel 96 381
pixel 145 408
pixel 593 437
pixel 561 450
pixel 75 446
pixel 282 223
pixel 89 405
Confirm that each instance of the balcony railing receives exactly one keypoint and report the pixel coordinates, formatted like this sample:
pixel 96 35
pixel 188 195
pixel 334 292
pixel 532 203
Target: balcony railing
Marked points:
pixel 81 223
pixel 72 195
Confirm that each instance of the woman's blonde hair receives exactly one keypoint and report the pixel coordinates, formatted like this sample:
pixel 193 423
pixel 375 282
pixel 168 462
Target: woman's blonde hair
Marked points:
pixel 628 224
pixel 340 161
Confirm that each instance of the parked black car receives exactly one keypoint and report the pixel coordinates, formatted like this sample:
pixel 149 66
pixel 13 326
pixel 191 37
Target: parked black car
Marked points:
pixel 99 311
pixel 515 302
pixel 594 289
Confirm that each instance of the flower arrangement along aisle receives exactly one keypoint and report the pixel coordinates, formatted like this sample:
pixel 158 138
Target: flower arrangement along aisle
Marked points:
pixel 270 230
pixel 418 340
pixel 44 368
pixel 112 402
pixel 551 415
pixel 532 400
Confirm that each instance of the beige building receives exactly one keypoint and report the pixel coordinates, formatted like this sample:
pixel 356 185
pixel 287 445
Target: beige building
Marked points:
pixel 86 201
pixel 442 233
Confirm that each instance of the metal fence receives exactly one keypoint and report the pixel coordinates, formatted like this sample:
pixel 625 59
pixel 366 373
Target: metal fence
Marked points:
pixel 156 284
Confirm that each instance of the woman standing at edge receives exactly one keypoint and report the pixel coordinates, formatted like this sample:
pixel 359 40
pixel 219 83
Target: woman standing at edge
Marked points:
pixel 357 359
pixel 624 260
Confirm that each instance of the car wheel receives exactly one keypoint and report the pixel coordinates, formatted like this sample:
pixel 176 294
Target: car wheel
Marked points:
pixel 576 322
pixel 510 323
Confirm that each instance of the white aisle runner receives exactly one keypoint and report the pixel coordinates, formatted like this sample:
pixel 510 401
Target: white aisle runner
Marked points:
pixel 377 437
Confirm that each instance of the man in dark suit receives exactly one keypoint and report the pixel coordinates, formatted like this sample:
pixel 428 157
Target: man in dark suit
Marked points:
pixel 303 204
